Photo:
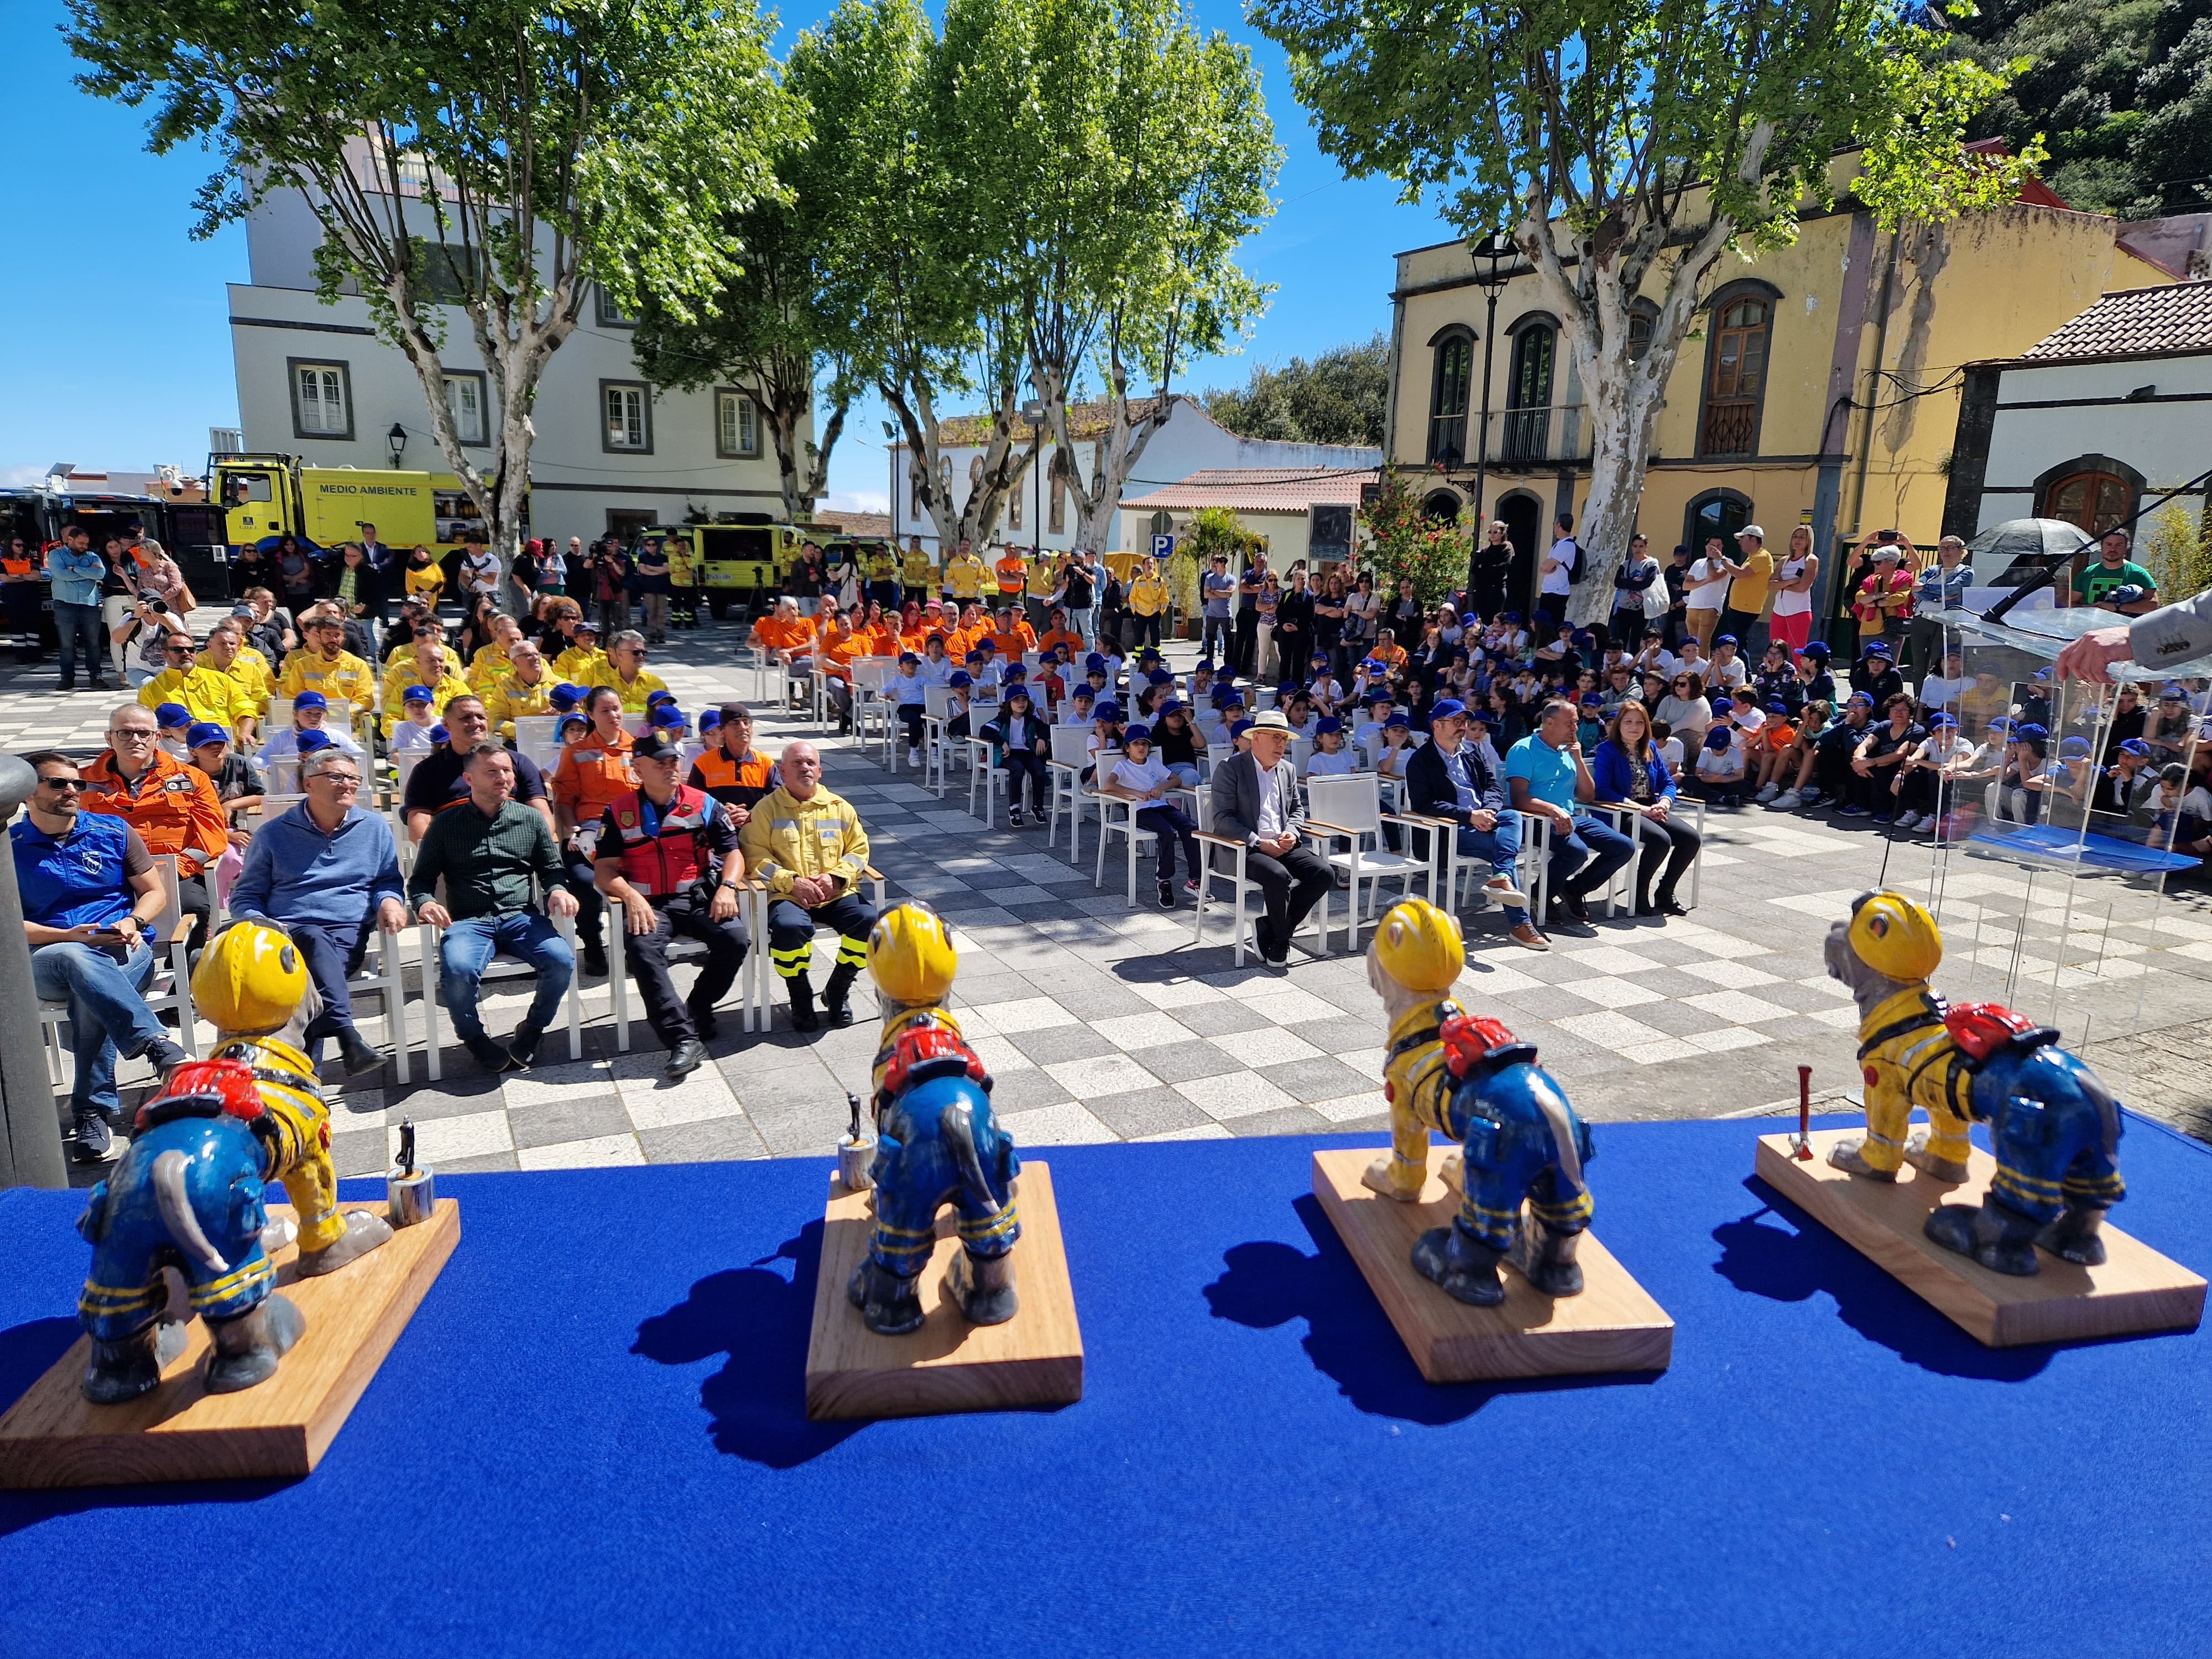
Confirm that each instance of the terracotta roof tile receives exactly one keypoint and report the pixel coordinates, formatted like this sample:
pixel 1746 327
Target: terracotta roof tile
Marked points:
pixel 1266 490
pixel 2137 322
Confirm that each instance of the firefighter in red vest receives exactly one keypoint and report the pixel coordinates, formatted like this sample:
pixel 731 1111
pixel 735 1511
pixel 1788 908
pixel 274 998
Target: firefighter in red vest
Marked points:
pixel 667 855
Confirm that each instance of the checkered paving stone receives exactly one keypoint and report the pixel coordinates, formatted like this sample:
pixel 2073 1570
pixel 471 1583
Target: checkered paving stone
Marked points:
pixel 1101 1023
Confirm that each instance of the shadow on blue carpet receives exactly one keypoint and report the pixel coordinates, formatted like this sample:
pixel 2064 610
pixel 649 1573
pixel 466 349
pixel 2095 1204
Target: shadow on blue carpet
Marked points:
pixel 1767 1258
pixel 1348 1336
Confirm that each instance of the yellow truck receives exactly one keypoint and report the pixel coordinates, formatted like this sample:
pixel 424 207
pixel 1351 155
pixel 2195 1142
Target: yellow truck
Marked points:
pixel 742 565
pixel 262 495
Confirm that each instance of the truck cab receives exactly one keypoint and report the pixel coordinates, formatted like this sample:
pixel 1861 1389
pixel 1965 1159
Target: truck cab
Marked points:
pixel 741 564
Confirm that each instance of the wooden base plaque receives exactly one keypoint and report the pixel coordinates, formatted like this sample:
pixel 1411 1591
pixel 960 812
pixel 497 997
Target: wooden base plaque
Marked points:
pixel 1612 1326
pixel 1035 1359
pixel 2137 1289
pixel 53 1437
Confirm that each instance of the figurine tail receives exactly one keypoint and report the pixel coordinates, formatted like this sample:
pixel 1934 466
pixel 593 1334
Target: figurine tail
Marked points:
pixel 958 1125
pixel 176 1207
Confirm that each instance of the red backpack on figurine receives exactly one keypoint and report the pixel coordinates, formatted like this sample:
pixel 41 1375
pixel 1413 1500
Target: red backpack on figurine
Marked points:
pixel 1984 1029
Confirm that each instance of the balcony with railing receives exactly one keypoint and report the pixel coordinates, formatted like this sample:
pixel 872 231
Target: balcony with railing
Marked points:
pixel 1525 440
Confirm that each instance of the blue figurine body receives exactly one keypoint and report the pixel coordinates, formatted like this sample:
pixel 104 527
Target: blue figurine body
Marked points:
pixel 936 1142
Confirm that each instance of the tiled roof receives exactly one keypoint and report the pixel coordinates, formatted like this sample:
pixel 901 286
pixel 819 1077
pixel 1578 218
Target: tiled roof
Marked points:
pixel 2137 322
pixel 1085 420
pixel 1263 490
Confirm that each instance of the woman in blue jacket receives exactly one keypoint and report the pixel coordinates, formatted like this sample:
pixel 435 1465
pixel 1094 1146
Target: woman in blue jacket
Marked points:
pixel 1629 773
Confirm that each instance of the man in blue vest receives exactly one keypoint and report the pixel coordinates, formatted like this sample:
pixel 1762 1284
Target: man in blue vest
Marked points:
pixel 91 893
pixel 669 857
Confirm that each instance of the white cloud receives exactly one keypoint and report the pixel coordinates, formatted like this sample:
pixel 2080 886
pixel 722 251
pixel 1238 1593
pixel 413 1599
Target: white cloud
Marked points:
pixel 27 476
pixel 857 500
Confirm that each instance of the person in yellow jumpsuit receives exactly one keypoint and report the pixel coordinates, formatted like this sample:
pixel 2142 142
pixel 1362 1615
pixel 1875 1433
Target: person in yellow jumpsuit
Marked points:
pixel 917 574
pixel 808 846
pixel 583 663
pixel 964 575
pixel 626 672
pixel 324 665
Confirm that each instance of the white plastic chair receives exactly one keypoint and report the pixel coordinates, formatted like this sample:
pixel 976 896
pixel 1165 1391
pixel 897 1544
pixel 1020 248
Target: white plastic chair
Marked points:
pixel 500 968
pixel 1353 805
pixel 1071 753
pixel 982 775
pixel 1621 889
pixel 168 925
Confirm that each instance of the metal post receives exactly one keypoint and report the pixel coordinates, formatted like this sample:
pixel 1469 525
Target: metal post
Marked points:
pixel 1489 256
pixel 30 1127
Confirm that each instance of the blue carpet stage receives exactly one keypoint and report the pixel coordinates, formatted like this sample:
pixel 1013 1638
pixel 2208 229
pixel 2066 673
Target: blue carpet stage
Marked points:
pixel 591 1441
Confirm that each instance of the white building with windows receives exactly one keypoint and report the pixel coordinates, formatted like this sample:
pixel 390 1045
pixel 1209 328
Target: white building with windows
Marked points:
pixel 611 452
pixel 1041 514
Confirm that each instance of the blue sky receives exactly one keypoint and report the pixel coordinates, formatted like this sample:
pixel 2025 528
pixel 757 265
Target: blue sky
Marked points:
pixel 120 356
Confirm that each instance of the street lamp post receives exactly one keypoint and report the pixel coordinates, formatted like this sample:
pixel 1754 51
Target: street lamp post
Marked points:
pixel 1033 412
pixel 891 464
pixel 396 441
pixel 1490 254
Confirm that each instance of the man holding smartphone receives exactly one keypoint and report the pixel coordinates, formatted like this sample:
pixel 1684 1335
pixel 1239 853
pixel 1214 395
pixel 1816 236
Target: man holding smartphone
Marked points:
pixel 91 894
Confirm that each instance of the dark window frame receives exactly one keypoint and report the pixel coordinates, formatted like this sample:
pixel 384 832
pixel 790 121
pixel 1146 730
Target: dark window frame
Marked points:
pixel 1715 308
pixel 602 310
pixel 345 365
pixel 1443 423
pixel 644 389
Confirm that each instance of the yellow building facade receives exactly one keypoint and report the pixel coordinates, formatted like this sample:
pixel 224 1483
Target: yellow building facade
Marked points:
pixel 1841 354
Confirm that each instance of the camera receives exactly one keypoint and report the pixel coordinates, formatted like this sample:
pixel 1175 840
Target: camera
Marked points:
pixel 159 607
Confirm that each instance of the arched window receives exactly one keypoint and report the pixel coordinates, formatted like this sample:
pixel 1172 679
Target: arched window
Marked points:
pixel 1736 374
pixel 1441 506
pixel 1719 513
pixel 1640 329
pixel 1528 395
pixel 2095 500
pixel 1448 393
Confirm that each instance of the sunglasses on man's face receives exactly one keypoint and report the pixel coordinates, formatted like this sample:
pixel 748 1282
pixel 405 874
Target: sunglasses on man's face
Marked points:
pixel 69 786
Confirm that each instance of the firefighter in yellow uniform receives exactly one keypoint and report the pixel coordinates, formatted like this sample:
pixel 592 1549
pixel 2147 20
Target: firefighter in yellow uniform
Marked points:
pixel 227 654
pixel 583 663
pixel 210 694
pixel 251 983
pixel 324 665
pixel 964 575
pixel 1885 952
pixel 623 668
pixel 513 697
pixel 401 675
pixel 807 844
pixel 916 574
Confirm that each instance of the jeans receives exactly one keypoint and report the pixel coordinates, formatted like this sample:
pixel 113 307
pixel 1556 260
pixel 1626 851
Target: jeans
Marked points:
pixel 1082 621
pixel 471 944
pixel 79 624
pixel 107 1013
pixel 1584 861
pixel 1184 774
pixel 1499 848
pixel 332 951
pixel 1221 630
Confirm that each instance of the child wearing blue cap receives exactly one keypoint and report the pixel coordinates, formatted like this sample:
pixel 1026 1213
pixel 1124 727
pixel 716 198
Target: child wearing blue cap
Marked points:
pixel 1075 709
pixel 1140 775
pixel 1330 757
pixel 413 729
pixel 1105 734
pixel 908 693
pixel 1720 767
pixel 1180 743
pixel 309 710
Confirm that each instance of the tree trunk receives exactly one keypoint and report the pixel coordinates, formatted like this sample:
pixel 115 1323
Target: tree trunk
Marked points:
pixel 1118 449
pixel 1622 417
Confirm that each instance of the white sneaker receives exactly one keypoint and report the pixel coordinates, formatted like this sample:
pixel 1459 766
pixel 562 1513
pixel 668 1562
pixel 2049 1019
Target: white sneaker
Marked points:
pixel 914 760
pixel 1768 793
pixel 1908 821
pixel 1786 803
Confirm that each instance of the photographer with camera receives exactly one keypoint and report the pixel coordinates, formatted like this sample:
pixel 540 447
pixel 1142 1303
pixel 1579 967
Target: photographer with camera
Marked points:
pixel 147 632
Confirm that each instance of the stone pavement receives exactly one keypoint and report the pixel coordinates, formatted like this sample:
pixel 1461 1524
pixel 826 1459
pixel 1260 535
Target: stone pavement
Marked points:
pixel 1099 1022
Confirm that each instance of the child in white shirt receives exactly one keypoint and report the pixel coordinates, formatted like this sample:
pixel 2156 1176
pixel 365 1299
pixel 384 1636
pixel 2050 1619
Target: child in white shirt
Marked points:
pixel 413 730
pixel 1140 776
pixel 1330 758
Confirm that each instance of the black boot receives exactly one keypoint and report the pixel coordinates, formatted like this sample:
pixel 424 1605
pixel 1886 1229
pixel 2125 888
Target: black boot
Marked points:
pixel 247 1348
pixel 836 994
pixel 983 1288
pixel 1464 1266
pixel 2001 1240
pixel 803 1017
pixel 889 1305
pixel 1546 1260
pixel 2075 1236
pixel 123 1370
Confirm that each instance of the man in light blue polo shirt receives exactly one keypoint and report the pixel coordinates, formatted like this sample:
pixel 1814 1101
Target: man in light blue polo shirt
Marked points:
pixel 76 573
pixel 1550 780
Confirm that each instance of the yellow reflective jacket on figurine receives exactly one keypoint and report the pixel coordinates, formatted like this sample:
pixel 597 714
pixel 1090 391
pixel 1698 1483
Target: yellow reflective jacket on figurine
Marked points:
pixel 1905 1054
pixel 1419 1088
pixel 297 1134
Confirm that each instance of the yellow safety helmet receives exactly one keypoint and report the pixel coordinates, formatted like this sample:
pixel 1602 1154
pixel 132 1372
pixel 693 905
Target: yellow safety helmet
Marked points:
pixel 249 980
pixel 1419 946
pixel 910 955
pixel 1895 937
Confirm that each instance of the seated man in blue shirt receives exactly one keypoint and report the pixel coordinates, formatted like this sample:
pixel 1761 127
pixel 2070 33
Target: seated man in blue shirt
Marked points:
pixel 1550 780
pixel 1449 778
pixel 90 893
pixel 327 871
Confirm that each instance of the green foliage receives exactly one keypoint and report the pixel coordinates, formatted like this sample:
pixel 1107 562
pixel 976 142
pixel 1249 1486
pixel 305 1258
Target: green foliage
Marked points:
pixel 1402 541
pixel 2122 92
pixel 2177 551
pixel 502 153
pixel 1338 397
pixel 1181 577
pixel 1216 530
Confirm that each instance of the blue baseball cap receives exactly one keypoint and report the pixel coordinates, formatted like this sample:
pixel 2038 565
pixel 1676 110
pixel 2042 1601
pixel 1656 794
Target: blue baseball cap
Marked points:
pixel 1382 694
pixel 906 657
pixel 2135 746
pixel 668 715
pixel 1404 722
pixel 1940 721
pixel 565 696
pixel 1136 734
pixel 416 693
pixel 1778 706
pixel 1326 724
pixel 311 741
pixel 1591 700
pixel 572 718
pixel 1819 651
pixel 1723 705
pixel 1878 648
pixel 1726 639
pixel 710 720
pixel 1320 657
pixel 1860 698
pixel 1108 710
pixel 439 734
pixel 2029 731
pixel 170 715
pixel 1717 740
pixel 1205 666
pixel 1159 677
pixel 1446 708
pixel 654 699
pixel 1172 705
pixel 1083 691
pixel 1094 663
pixel 1015 689
pixel 311 700
pixel 961 679
pixel 205 732
pixel 1239 729
pixel 2074 749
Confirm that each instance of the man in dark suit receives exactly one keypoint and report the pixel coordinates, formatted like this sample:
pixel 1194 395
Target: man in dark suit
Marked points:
pixel 1255 801
pixel 1450 778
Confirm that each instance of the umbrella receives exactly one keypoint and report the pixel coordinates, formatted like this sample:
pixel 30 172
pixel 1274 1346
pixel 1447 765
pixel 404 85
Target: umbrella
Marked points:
pixel 2025 546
